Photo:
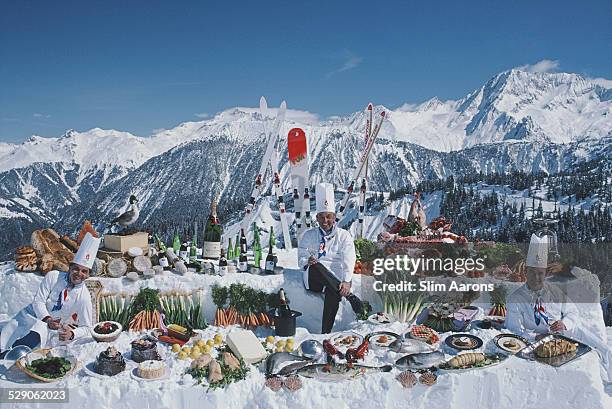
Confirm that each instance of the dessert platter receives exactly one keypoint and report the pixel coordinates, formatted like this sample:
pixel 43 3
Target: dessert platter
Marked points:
pixel 150 371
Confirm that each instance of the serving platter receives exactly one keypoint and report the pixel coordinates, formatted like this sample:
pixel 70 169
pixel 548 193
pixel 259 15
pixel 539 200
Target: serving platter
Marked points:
pixel 503 338
pixel 494 360
pixel 556 361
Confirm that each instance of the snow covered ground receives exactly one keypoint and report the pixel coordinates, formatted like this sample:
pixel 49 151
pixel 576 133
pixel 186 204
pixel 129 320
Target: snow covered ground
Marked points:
pixel 516 383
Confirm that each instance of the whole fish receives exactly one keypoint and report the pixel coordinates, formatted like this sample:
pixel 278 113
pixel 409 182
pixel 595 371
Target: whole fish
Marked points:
pixel 339 372
pixel 276 359
pixel 409 346
pixel 420 361
pixel 292 368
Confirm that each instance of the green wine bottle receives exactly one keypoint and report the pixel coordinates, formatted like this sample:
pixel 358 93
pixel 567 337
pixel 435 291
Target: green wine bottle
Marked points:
pixel 256 246
pixel 176 244
pixel 272 240
pixel 237 247
pixel 230 250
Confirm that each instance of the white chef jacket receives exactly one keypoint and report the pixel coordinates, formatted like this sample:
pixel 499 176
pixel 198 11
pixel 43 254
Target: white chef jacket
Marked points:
pixel 54 299
pixel 339 255
pixel 520 317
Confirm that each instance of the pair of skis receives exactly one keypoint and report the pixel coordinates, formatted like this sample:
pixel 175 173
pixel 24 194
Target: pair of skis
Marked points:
pixel 298 161
pixel 370 138
pixel 270 157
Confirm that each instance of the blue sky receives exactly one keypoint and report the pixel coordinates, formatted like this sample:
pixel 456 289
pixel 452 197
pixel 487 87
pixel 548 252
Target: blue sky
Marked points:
pixel 138 66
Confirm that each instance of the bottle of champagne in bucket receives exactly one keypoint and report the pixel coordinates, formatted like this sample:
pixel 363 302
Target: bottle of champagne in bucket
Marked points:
pixel 271 260
pixel 283 307
pixel 243 266
pixel 222 264
pixel 212 235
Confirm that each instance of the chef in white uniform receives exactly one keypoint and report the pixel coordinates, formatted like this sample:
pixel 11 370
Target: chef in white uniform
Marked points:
pixel 327 255
pixel 537 307
pixel 61 310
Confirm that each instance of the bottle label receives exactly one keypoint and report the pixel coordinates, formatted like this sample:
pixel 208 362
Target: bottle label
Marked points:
pixel 163 262
pixel 211 249
pixel 184 255
pixel 199 252
pixel 243 266
pixel 222 270
pixel 270 265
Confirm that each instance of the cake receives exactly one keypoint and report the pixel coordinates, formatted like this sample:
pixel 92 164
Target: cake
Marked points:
pixel 151 369
pixel 109 362
pixel 144 349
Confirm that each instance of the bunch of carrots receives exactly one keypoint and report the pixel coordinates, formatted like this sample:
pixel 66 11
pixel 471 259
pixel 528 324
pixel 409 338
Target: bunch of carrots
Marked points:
pixel 145 320
pixel 230 316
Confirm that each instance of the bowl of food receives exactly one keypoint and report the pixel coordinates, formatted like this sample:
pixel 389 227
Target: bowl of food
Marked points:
pixel 106 331
pixel 47 365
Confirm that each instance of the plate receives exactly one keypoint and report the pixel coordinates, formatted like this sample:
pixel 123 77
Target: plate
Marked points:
pixel 22 363
pixel 340 341
pixel 134 375
pixel 472 341
pixel 421 328
pixel 379 318
pixel 556 361
pixel 498 359
pixel 375 340
pixel 503 338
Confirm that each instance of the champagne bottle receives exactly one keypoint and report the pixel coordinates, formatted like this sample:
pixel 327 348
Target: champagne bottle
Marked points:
pixel 243 266
pixel 256 246
pixel 283 307
pixel 222 264
pixel 212 235
pixel 161 247
pixel 272 239
pixel 193 250
pixel 271 260
pixel 183 252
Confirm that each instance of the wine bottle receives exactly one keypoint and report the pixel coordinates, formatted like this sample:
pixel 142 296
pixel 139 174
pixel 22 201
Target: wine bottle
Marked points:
pixel 222 264
pixel 176 244
pixel 163 260
pixel 237 247
pixel 283 307
pixel 193 250
pixel 272 239
pixel 212 235
pixel 161 247
pixel 230 250
pixel 271 260
pixel 256 246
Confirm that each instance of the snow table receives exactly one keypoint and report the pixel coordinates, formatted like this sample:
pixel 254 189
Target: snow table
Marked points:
pixel 516 383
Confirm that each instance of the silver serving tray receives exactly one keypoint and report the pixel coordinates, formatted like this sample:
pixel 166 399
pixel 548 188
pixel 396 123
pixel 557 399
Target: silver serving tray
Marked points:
pixel 529 351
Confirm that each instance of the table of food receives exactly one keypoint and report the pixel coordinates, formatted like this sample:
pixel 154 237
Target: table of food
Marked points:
pixel 232 356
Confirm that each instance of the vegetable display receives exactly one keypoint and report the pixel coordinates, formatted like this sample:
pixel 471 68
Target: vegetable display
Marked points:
pixel 245 306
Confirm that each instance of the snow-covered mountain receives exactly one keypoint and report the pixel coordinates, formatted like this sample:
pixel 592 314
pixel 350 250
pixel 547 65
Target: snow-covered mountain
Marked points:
pixel 516 121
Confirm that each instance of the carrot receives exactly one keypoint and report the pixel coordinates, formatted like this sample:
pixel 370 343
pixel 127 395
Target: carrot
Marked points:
pixel 254 320
pixel 221 317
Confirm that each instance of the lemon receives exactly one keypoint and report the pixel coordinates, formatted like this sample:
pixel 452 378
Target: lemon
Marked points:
pixel 196 349
pixel 206 349
pixel 186 350
pixel 176 348
pixel 289 347
pixel 195 353
pixel 290 341
pixel 279 349
pixel 270 339
pixel 200 343
pixel 210 342
pixel 280 343
pixel 218 339
pixel 182 355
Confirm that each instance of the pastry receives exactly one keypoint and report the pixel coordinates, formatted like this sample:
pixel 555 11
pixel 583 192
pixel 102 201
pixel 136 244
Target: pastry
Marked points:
pixel 151 369
pixel 144 349
pixel 463 342
pixel 555 347
pixel 109 362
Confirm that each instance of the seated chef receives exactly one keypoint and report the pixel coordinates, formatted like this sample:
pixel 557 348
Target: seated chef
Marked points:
pixel 538 308
pixel 61 309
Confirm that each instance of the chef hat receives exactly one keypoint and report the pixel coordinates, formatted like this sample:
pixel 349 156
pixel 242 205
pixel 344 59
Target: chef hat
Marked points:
pixel 87 251
pixel 537 255
pixel 325 198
